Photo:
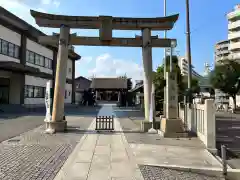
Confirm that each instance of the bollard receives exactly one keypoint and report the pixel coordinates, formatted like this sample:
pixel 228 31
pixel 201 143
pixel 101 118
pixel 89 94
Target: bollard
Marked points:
pixel 224 160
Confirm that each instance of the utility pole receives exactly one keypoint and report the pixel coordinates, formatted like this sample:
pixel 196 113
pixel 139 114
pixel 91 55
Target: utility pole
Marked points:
pixel 165 61
pixel 188 49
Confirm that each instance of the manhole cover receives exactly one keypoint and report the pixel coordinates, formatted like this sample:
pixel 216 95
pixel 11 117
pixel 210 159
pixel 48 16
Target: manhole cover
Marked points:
pixel 14 140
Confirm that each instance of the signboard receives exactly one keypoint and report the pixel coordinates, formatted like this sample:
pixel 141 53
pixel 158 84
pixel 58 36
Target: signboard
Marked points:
pixel 48 101
pixel 172 96
pixel 152 105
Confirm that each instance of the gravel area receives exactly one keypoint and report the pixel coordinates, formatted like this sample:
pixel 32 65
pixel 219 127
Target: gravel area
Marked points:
pixel 159 173
pixel 35 155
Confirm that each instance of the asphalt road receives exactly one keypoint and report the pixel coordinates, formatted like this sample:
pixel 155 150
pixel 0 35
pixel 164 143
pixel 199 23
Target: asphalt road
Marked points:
pixel 12 127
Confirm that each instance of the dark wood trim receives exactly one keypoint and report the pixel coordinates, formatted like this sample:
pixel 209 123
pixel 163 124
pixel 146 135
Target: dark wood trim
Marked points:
pixel 23 51
pixel 73 83
pixel 22 87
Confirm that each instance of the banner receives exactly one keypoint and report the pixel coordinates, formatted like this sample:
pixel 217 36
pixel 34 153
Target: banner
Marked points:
pixel 152 105
pixel 48 102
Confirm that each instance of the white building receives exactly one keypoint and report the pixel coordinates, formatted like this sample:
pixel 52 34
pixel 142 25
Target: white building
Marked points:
pixel 221 51
pixel 234 33
pixel 26 65
pixel 183 65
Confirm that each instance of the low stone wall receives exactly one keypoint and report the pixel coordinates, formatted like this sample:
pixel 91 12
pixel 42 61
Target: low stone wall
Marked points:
pixel 200 119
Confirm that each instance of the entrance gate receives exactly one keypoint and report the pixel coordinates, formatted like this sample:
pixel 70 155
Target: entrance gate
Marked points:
pixel 104 123
pixel 105 24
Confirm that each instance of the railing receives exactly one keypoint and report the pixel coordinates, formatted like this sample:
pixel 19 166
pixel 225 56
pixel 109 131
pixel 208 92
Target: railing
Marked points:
pixel 104 123
pixel 200 119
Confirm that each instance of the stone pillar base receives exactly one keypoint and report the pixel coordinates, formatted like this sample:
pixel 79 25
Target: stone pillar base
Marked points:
pixel 172 128
pixel 53 127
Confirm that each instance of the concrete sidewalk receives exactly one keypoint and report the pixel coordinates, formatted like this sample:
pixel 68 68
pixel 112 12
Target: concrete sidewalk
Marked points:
pixel 101 156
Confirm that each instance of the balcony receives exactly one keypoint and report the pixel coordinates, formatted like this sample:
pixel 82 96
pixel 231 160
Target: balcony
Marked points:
pixel 234 46
pixel 233 25
pixel 221 52
pixel 233 14
pixel 221 46
pixel 234 35
pixel 234 56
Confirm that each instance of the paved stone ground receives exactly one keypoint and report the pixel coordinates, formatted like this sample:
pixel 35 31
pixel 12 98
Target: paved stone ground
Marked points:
pixel 158 173
pixel 134 136
pixel 101 156
pixel 36 155
pixel 13 127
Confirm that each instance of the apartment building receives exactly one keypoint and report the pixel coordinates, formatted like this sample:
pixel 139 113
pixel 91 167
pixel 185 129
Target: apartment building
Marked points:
pixel 183 65
pixel 234 33
pixel 26 65
pixel 221 51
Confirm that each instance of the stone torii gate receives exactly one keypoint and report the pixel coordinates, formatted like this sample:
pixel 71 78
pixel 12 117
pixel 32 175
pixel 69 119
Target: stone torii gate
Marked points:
pixel 105 24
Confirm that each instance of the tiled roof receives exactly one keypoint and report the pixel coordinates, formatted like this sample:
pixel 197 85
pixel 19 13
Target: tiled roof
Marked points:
pixel 109 83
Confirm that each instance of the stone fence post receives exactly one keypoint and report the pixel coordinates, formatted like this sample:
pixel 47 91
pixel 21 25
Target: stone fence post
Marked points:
pixel 210 124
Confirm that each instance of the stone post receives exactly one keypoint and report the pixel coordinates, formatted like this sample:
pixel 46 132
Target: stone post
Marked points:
pixel 147 68
pixel 210 124
pixel 58 122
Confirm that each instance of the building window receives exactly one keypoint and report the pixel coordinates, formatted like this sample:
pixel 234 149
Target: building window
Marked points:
pixel 37 59
pixel 34 91
pixel 30 57
pixel 4 47
pixel 69 93
pixel 29 91
pixel 38 92
pixel 41 61
pixel 16 51
pixel 48 63
pixel 11 49
pixel 69 70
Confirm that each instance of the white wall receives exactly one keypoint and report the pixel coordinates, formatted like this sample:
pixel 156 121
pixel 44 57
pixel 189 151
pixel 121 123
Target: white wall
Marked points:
pixel 68 88
pixel 35 81
pixel 69 66
pixel 10 36
pixel 39 49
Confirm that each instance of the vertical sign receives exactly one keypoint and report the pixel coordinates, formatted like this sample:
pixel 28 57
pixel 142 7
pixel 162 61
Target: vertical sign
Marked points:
pixel 48 101
pixel 152 104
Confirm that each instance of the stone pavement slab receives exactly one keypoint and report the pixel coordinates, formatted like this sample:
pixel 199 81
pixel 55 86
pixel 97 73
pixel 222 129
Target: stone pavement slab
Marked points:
pixel 173 155
pixel 101 156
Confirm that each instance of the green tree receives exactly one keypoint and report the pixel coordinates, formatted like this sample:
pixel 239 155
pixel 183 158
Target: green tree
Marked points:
pixel 226 77
pixel 194 83
pixel 160 83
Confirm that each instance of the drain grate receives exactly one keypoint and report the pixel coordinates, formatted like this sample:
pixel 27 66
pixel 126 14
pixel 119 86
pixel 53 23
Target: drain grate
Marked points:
pixel 14 140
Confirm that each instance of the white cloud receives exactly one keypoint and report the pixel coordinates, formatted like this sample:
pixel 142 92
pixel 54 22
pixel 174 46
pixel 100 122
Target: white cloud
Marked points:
pixel 21 9
pixel 107 66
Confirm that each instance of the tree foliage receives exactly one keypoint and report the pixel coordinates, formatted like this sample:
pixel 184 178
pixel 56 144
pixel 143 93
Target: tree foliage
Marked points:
pixel 160 83
pixel 226 77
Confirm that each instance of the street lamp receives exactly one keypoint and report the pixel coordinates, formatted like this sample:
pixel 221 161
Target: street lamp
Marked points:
pixel 173 45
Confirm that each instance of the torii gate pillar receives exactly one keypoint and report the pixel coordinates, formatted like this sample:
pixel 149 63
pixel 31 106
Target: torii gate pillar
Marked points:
pixel 58 123
pixel 147 68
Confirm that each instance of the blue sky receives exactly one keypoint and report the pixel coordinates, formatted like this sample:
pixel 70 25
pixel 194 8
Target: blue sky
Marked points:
pixel 208 26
